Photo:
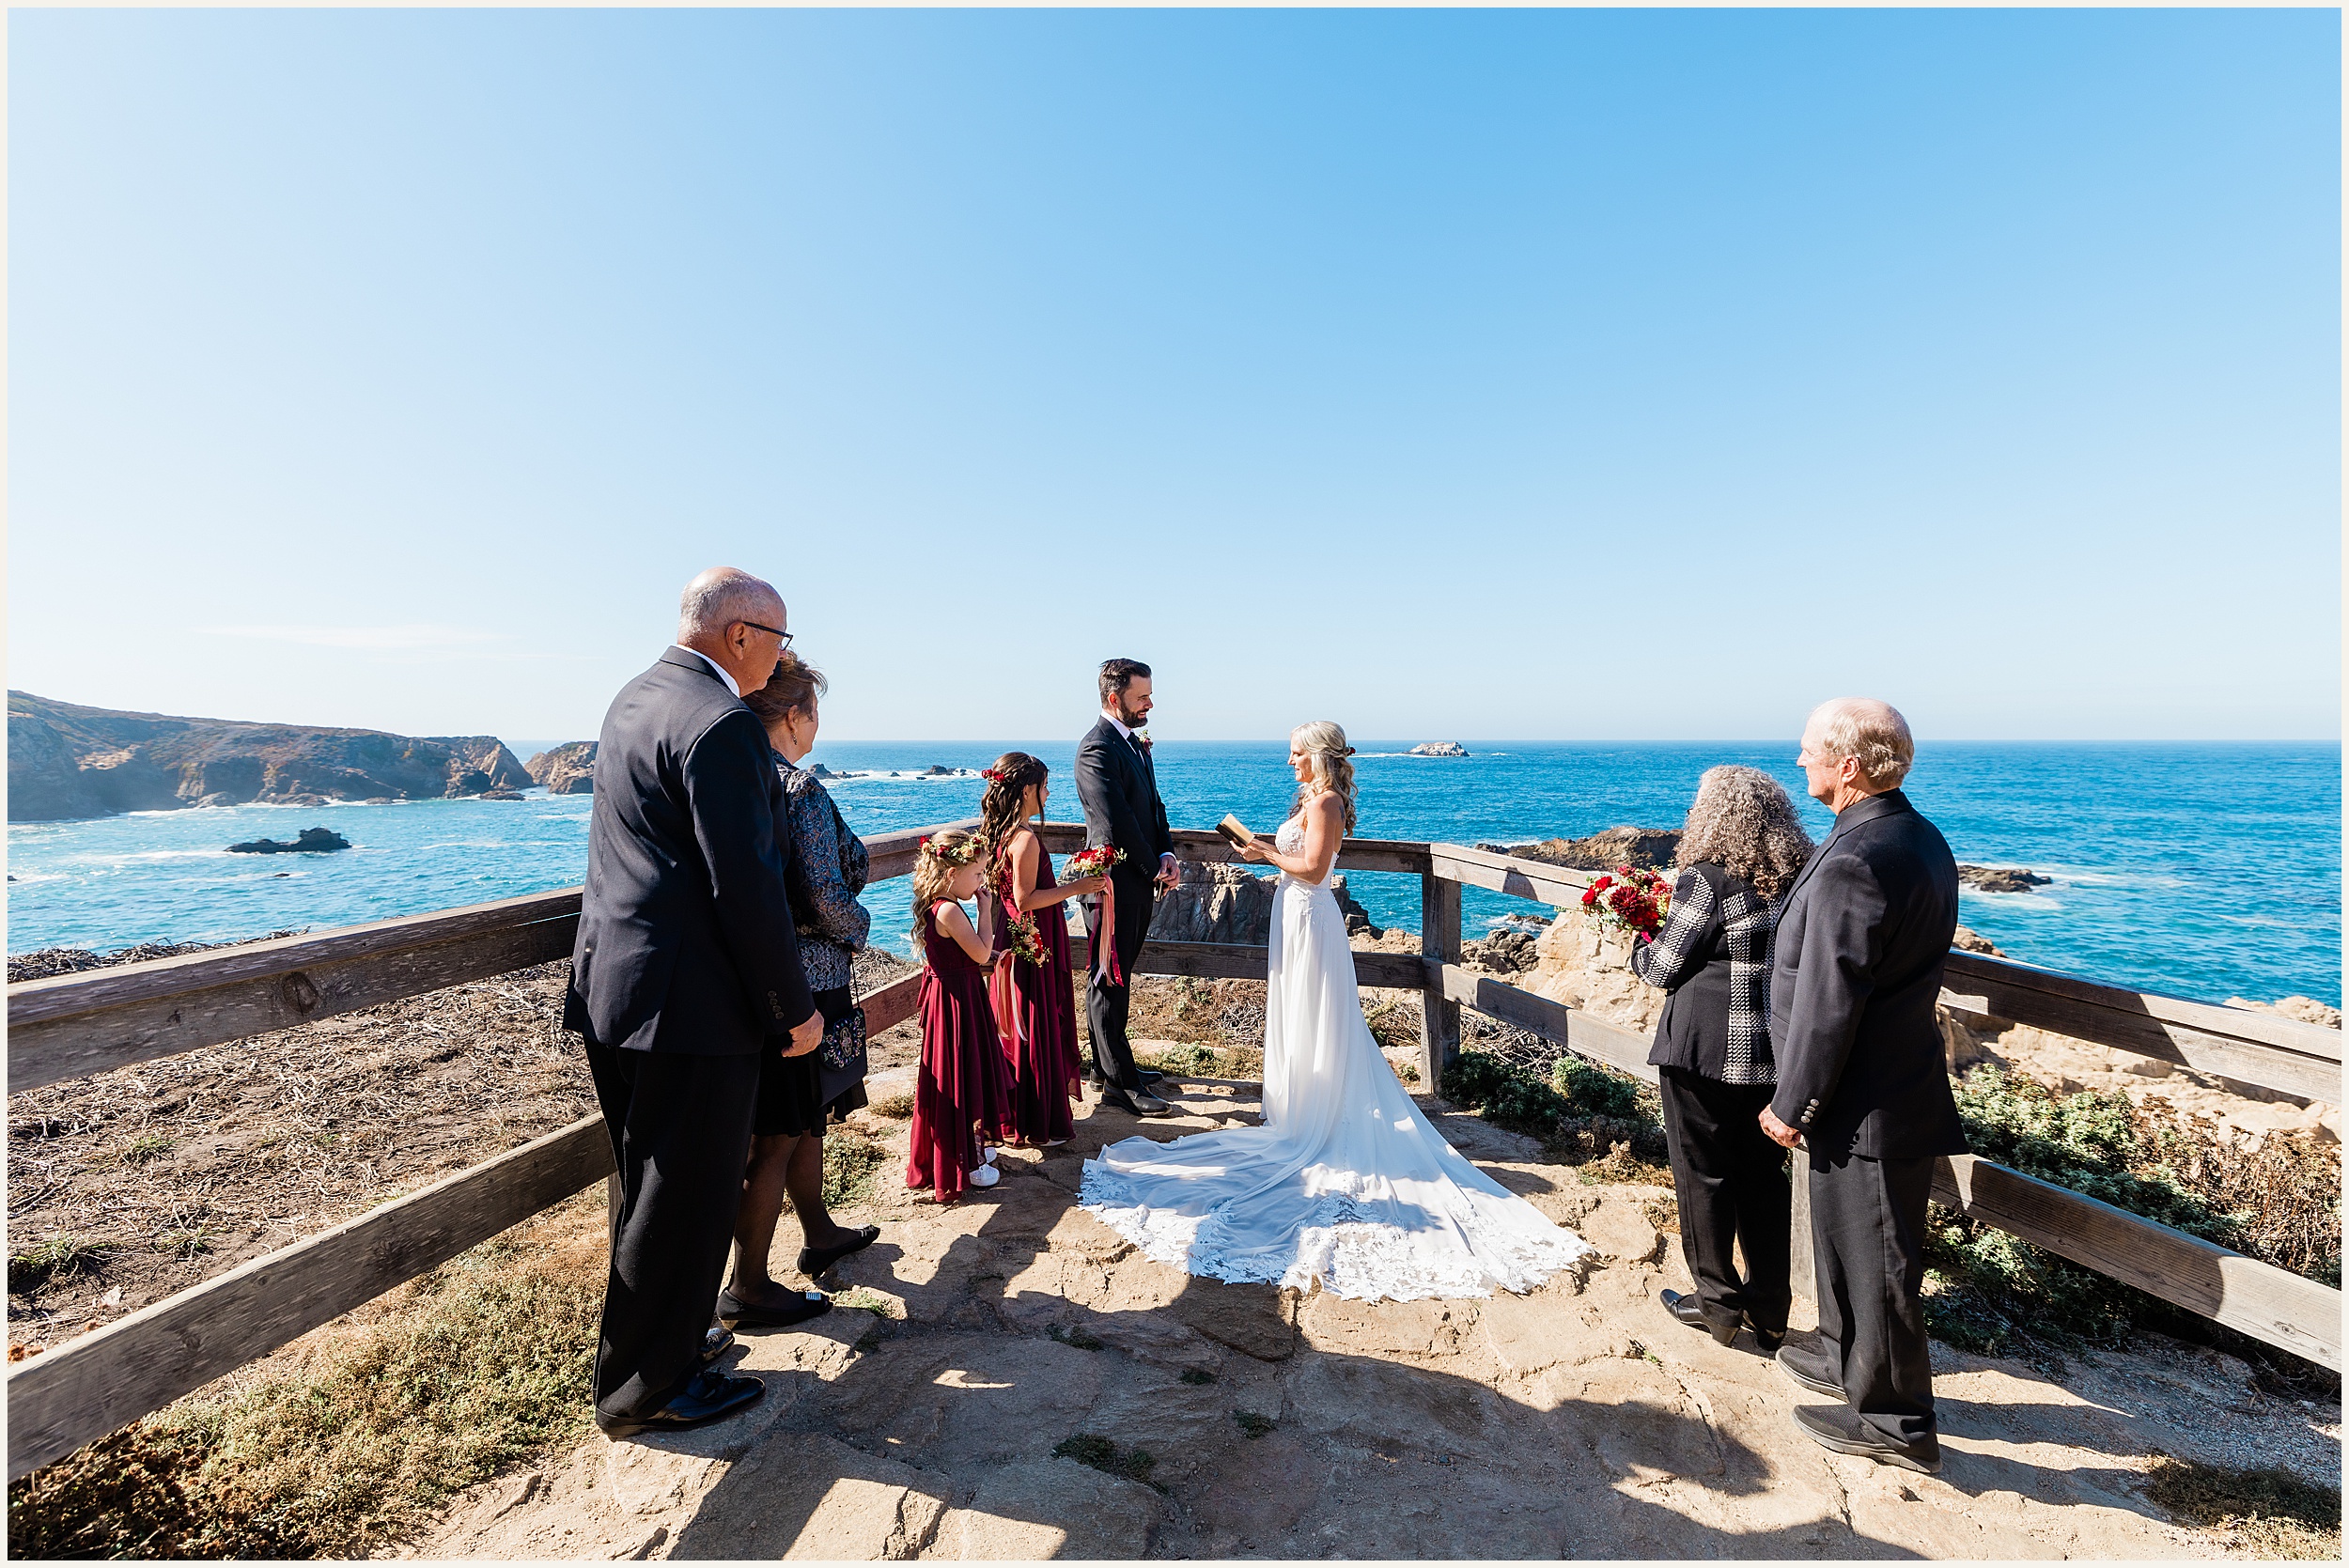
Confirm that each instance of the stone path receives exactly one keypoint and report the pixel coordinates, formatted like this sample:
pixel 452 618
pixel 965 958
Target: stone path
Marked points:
pixel 1578 1421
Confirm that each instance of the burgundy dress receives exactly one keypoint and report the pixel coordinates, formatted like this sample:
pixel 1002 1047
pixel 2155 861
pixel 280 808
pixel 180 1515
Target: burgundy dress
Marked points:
pixel 963 1090
pixel 1044 1058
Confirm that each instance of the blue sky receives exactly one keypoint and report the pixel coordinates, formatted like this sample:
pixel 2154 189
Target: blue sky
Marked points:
pixel 1570 375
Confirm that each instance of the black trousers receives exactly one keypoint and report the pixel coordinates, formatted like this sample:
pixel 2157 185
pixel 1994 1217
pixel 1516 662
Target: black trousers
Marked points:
pixel 1107 1005
pixel 1730 1181
pixel 1868 1244
pixel 680 1129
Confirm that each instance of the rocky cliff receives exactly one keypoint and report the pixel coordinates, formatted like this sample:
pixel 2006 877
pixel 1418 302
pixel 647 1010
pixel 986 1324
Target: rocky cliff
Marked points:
pixel 1643 846
pixel 566 769
pixel 68 761
pixel 1219 903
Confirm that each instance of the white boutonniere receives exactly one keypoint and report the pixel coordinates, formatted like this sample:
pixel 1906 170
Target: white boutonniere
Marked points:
pixel 1141 738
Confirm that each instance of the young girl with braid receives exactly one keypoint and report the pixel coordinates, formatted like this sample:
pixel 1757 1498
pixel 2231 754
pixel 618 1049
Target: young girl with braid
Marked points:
pixel 1035 992
pixel 961 1096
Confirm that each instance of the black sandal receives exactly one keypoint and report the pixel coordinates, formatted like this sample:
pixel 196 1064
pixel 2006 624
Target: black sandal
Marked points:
pixel 803 1306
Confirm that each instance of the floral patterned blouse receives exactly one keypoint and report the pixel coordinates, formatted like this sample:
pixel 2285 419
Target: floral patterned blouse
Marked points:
pixel 829 868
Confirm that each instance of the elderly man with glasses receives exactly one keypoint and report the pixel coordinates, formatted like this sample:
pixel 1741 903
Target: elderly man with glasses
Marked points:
pixel 687 959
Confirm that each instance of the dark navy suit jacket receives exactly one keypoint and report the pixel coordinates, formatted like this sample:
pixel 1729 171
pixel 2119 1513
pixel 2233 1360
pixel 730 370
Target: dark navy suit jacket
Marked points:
pixel 686 941
pixel 1861 1068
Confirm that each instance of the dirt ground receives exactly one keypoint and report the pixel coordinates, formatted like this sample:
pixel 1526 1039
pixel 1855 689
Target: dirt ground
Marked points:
pixel 1006 1378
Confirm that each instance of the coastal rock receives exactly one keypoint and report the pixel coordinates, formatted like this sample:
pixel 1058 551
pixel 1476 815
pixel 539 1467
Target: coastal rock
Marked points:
pixel 565 769
pixel 1994 879
pixel 1507 951
pixel 68 761
pixel 312 841
pixel 2305 1009
pixel 1586 965
pixel 1222 902
pixel 216 800
pixel 1965 940
pixel 1649 848
pixel 502 795
pixel 1440 749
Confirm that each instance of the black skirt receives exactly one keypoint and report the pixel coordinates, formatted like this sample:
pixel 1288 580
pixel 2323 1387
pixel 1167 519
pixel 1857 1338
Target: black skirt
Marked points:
pixel 790 1091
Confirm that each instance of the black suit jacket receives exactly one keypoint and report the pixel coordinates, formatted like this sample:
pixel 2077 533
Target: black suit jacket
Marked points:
pixel 1119 791
pixel 686 939
pixel 1860 946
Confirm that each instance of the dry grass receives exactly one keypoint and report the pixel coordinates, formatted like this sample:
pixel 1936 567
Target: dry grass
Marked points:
pixel 153 1177
pixel 2265 1512
pixel 336 1446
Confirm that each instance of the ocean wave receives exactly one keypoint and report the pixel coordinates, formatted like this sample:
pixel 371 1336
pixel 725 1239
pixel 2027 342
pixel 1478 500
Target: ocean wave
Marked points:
pixel 901 775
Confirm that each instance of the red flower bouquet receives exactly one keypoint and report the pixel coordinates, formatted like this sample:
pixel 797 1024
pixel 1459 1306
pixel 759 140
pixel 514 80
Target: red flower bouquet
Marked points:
pixel 1095 861
pixel 1630 899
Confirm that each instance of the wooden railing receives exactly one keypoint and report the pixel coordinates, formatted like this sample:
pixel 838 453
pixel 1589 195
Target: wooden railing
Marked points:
pixel 74 1025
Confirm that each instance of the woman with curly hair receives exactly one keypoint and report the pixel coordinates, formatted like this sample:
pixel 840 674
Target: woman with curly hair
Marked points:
pixel 1036 997
pixel 1739 852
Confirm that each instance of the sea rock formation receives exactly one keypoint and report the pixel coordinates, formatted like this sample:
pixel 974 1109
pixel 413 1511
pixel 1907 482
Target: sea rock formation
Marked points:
pixel 1440 749
pixel 1998 879
pixel 566 769
pixel 312 841
pixel 1650 848
pixel 1221 903
pixel 68 761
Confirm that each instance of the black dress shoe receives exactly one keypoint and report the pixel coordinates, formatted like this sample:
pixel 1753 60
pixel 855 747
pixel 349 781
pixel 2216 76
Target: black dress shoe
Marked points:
pixel 1149 1075
pixel 1844 1432
pixel 802 1305
pixel 710 1396
pixel 1769 1339
pixel 716 1344
pixel 1687 1310
pixel 1139 1103
pixel 1802 1375
pixel 814 1260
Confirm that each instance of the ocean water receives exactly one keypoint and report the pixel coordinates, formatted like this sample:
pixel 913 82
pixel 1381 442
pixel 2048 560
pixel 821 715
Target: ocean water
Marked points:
pixel 2201 870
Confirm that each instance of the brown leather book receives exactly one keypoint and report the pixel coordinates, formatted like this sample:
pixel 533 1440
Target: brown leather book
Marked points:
pixel 1235 832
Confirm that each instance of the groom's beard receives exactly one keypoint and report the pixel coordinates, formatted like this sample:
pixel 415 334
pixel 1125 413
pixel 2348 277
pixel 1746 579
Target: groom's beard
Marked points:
pixel 1131 720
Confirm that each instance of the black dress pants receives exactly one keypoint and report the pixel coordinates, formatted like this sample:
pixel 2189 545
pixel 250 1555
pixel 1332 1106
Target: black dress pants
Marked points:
pixel 1107 1005
pixel 680 1129
pixel 1730 1181
pixel 1868 1244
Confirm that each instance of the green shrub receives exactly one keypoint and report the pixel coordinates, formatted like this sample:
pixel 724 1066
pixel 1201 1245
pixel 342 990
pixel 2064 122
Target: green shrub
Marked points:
pixel 1990 1292
pixel 1582 1114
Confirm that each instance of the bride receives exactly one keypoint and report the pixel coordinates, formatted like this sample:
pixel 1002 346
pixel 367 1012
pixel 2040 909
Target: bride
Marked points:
pixel 1344 1182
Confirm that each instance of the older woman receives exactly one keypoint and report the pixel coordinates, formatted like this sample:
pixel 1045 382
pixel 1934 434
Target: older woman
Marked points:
pixel 1739 852
pixel 798 1095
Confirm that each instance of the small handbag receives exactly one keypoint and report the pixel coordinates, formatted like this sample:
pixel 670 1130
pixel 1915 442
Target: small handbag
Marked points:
pixel 840 1056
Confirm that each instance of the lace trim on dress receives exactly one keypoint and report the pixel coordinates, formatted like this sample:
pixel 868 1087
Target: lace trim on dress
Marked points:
pixel 1353 1256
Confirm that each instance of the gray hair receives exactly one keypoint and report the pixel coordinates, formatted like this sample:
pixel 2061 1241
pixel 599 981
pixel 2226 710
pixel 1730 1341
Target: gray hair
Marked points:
pixel 1872 734
pixel 1743 822
pixel 718 597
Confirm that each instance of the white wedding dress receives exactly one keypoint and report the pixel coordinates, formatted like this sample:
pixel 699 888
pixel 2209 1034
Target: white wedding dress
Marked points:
pixel 1344 1182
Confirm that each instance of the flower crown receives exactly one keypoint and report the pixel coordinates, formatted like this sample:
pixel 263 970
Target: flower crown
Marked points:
pixel 951 854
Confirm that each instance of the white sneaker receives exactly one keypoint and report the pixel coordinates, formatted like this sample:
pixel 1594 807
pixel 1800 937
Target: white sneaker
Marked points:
pixel 987 1155
pixel 986 1175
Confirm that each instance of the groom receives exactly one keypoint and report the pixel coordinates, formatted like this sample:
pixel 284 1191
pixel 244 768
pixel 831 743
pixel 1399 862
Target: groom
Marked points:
pixel 1120 793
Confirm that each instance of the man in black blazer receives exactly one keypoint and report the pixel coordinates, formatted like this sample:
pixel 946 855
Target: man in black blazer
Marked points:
pixel 687 960
pixel 1862 1076
pixel 1120 792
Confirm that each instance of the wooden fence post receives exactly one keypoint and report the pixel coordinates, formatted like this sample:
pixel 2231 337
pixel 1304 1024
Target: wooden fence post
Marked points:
pixel 1798 1242
pixel 1439 943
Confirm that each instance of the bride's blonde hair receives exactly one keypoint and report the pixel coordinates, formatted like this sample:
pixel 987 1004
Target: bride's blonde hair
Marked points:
pixel 1325 748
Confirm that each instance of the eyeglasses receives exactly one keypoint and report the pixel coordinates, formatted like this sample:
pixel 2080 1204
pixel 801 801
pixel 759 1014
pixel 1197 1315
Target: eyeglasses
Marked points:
pixel 783 638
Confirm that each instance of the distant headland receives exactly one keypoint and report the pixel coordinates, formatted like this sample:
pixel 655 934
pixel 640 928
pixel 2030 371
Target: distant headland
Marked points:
pixel 67 761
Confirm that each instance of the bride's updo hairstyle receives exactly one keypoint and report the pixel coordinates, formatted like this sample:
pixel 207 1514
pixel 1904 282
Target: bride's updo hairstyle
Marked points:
pixel 1326 751
pixel 1007 784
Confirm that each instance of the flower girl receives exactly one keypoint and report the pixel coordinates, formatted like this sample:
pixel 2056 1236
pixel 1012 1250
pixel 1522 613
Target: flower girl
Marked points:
pixel 961 1097
pixel 1035 1001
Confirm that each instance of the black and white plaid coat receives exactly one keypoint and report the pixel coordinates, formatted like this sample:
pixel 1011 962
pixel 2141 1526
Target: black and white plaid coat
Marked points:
pixel 1714 956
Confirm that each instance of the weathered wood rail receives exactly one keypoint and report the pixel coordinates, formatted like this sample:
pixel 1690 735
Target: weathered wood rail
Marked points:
pixel 74 1025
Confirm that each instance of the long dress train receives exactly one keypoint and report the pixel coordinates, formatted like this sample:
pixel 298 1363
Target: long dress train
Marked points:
pixel 1346 1182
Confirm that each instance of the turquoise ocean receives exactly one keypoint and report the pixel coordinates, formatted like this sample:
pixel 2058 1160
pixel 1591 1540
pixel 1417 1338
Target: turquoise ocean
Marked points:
pixel 2204 870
